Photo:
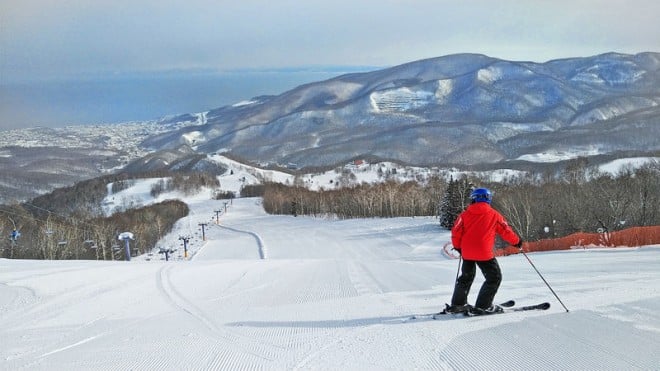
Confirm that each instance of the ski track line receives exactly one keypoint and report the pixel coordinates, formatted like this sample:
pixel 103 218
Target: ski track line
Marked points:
pixel 646 317
pixel 428 356
pixel 361 288
pixel 319 288
pixel 72 345
pixel 263 251
pixel 21 296
pixel 304 340
pixel 363 281
pixel 39 360
pixel 129 358
pixel 36 310
pixel 425 357
pixel 364 284
pixel 43 274
pixel 71 333
pixel 397 237
pixel 165 286
pixel 233 283
pixel 245 345
pixel 302 364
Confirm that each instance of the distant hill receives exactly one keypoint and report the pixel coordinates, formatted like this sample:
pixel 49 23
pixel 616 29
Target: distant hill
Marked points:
pixel 461 109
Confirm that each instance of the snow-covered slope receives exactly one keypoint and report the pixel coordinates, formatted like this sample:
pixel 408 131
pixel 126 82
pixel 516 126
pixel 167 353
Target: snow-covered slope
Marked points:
pixel 287 293
pixel 237 175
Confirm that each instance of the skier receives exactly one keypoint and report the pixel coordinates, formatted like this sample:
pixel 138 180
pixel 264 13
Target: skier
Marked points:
pixel 473 236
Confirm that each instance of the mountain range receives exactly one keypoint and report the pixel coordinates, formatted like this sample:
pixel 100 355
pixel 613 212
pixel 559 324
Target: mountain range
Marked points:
pixel 461 109
pixel 464 110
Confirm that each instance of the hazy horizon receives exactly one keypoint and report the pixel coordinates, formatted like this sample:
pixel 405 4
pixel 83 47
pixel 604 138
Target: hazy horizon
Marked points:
pixel 49 39
pixel 143 97
pixel 48 46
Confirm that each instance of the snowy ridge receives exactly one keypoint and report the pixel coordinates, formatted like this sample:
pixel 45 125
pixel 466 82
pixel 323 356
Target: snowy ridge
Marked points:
pixel 445 107
pixel 615 108
pixel 238 175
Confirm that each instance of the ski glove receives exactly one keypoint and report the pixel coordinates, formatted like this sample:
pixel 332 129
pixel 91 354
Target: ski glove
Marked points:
pixel 458 250
pixel 519 244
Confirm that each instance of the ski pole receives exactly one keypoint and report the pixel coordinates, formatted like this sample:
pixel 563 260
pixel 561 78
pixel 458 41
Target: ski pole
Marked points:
pixel 546 282
pixel 460 259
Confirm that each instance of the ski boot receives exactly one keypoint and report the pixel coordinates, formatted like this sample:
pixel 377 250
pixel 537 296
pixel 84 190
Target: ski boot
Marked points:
pixel 456 309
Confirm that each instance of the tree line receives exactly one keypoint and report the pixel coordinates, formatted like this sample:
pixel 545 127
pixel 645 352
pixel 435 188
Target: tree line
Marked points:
pixel 385 200
pixel 69 223
pixel 57 237
pixel 581 199
pixel 538 206
pixel 186 183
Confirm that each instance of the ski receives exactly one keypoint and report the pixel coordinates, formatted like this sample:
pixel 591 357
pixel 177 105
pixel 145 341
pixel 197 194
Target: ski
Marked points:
pixel 540 306
pixel 506 304
pixel 507 307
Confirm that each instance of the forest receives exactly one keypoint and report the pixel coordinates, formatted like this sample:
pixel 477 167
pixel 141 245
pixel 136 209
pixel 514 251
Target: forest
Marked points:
pixel 69 223
pixel 579 198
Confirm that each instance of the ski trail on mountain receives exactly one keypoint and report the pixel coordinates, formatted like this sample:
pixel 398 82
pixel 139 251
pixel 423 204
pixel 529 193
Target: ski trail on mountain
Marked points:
pixel 263 251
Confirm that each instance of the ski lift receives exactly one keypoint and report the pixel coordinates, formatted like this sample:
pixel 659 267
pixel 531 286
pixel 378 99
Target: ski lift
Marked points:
pixel 166 252
pixel 90 243
pixel 126 236
pixel 62 241
pixel 48 228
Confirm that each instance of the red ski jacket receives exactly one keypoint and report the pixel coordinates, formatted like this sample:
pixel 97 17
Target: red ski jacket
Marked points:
pixel 474 232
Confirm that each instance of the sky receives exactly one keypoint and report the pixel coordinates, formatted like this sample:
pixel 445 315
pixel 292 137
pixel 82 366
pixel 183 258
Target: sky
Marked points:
pixel 47 39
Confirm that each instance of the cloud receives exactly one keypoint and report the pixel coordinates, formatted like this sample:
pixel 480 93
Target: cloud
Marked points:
pixel 48 39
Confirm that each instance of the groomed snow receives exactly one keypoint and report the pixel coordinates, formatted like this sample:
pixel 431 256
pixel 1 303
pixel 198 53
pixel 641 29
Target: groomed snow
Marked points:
pixel 400 99
pixel 287 293
pixel 556 156
pixel 244 103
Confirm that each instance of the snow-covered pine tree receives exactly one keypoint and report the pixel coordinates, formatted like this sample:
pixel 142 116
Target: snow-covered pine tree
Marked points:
pixel 446 217
pixel 455 200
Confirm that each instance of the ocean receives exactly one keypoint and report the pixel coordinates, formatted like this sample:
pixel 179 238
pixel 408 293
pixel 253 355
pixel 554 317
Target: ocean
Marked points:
pixel 141 97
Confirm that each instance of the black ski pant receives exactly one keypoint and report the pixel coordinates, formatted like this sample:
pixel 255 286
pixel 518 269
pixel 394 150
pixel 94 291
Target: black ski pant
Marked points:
pixel 491 271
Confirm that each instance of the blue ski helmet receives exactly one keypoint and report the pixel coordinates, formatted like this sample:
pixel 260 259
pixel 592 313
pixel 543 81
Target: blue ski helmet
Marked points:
pixel 481 195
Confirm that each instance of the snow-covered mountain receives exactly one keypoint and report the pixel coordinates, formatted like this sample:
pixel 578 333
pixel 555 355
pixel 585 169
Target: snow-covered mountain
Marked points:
pixel 459 110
